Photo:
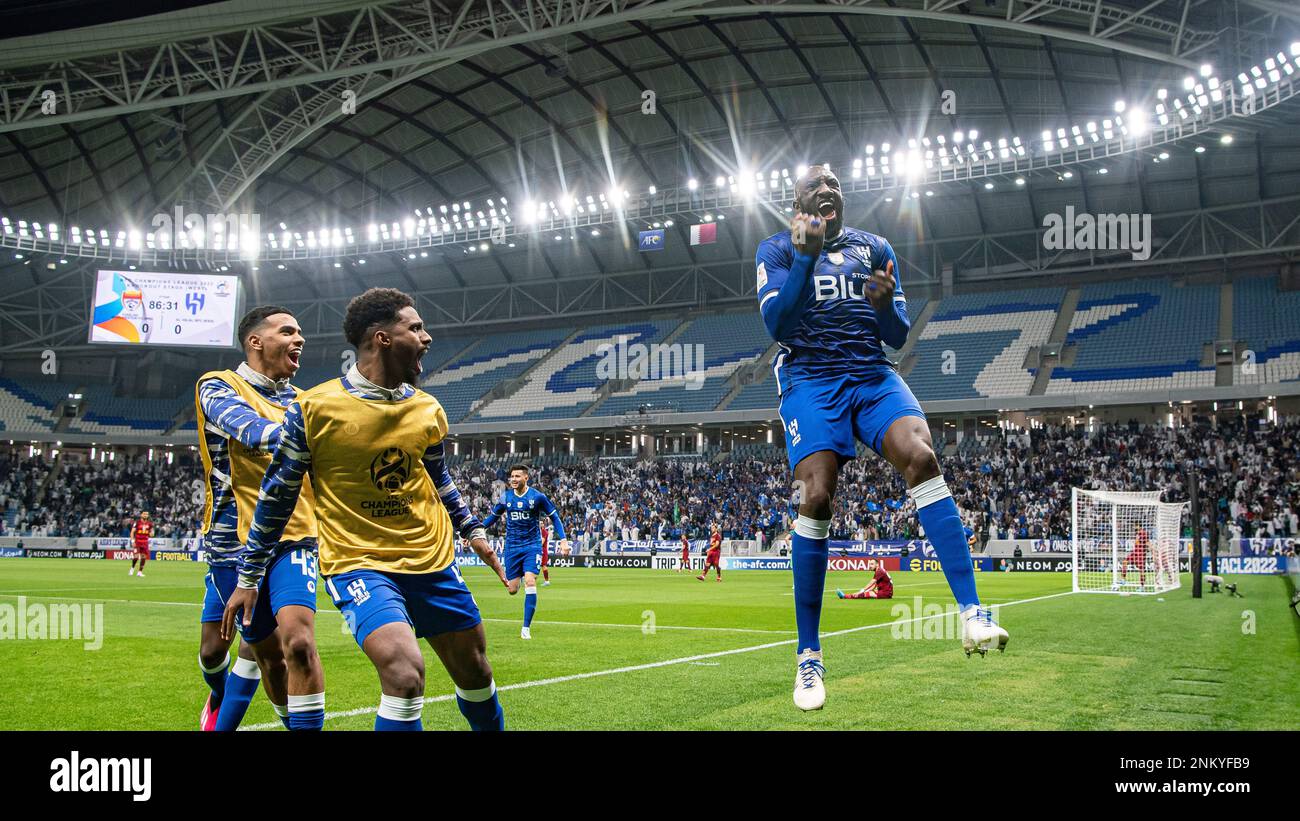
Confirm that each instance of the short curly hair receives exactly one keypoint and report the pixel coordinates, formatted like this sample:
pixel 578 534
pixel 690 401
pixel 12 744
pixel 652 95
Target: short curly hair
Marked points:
pixel 378 306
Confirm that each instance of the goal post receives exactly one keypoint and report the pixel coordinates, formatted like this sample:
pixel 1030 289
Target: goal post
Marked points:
pixel 1124 542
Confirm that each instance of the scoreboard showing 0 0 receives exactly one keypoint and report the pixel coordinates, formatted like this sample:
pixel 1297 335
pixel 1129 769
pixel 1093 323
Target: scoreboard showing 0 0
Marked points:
pixel 141 308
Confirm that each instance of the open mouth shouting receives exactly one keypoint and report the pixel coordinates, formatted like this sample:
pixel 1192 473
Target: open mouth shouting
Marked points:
pixel 294 355
pixel 828 207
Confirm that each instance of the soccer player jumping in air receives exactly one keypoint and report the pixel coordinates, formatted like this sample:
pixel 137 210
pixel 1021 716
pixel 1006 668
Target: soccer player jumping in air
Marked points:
pixel 387 506
pixel 831 297
pixel 522 507
pixel 240 414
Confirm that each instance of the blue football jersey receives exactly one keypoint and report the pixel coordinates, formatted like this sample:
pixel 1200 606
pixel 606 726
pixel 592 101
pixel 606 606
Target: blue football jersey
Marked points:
pixel 838 332
pixel 523 515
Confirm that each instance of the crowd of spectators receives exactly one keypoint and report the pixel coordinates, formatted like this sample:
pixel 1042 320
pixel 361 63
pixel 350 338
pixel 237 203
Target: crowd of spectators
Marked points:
pixel 101 498
pixel 1013 485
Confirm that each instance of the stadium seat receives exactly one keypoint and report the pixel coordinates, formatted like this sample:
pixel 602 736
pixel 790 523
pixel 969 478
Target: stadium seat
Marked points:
pixel 975 344
pixel 1268 322
pixel 1139 337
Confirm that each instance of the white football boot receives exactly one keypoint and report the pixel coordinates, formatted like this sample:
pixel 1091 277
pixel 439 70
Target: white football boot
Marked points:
pixel 525 633
pixel 809 692
pixel 979 633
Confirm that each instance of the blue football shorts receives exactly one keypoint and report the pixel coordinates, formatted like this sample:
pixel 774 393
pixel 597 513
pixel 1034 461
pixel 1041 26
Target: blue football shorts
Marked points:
pixel 431 603
pixel 828 414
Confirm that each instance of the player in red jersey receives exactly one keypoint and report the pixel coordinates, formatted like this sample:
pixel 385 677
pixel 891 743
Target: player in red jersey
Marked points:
pixel 714 557
pixel 686 554
pixel 881 585
pixel 1138 555
pixel 141 532
pixel 546 556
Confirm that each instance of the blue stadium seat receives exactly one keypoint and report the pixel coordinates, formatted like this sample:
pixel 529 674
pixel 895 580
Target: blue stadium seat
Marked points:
pixel 1268 321
pixel 457 384
pixel 110 414
pixel 1139 337
pixel 568 383
pixel 720 344
pixel 975 344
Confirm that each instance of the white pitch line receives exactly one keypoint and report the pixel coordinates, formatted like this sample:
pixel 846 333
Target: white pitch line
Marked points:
pixel 324 612
pixel 655 664
pixel 653 627
pixel 85 589
pixel 93 598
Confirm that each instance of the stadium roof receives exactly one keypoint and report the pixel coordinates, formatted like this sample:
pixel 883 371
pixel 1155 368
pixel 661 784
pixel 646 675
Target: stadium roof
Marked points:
pixel 239 107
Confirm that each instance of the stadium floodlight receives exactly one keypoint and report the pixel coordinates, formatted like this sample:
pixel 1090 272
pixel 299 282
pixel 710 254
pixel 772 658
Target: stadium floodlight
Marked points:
pixel 1119 106
pixel 1189 82
pixel 1226 139
pixel 1068 175
pixel 1116 536
pixel 988 186
pixel 692 184
pixel 653 191
pixel 1206 69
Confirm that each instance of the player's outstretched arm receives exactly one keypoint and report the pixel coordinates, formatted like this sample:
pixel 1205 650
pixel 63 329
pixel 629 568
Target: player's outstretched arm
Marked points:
pixel 885 290
pixel 277 497
pixel 785 275
pixel 226 410
pixel 462 519
pixel 497 513
pixel 557 526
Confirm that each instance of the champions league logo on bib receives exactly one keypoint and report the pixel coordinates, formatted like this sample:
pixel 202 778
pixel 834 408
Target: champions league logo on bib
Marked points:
pixel 389 469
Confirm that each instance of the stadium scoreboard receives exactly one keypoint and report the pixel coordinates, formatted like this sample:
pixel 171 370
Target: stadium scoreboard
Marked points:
pixel 143 308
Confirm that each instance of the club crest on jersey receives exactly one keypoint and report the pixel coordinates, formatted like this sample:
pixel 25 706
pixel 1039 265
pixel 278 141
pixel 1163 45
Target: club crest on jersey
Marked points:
pixel 836 258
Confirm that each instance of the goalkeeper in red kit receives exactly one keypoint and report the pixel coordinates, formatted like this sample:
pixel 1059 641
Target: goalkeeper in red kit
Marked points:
pixel 881 585
pixel 1137 556
pixel 141 532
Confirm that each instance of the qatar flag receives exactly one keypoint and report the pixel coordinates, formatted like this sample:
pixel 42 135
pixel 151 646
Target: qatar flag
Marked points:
pixel 704 234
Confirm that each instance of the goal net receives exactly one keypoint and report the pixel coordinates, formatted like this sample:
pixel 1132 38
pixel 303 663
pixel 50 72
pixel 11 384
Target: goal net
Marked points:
pixel 1125 542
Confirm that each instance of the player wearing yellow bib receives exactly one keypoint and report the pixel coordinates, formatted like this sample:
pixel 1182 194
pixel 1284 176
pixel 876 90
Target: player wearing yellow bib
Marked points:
pixel 388 513
pixel 239 415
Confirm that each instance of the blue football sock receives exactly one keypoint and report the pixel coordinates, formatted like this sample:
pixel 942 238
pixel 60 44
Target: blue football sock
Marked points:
pixel 481 708
pixel 282 710
pixel 215 678
pixel 307 712
pixel 241 685
pixel 530 605
pixel 399 714
pixel 808 557
pixel 938 514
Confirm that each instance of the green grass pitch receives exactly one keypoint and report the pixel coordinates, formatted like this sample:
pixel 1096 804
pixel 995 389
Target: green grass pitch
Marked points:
pixel 646 650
